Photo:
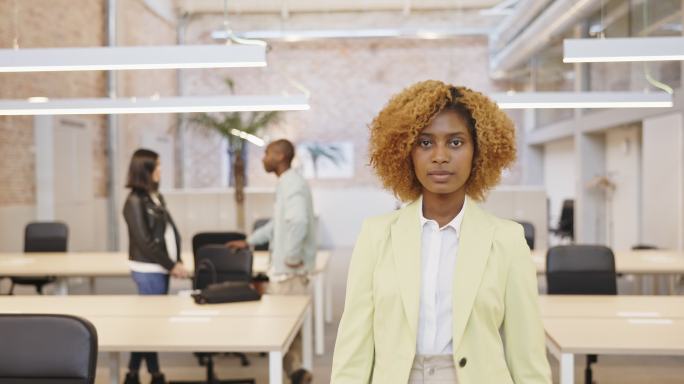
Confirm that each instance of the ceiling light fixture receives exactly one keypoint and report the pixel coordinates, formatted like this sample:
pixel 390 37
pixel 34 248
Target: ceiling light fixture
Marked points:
pixel 623 49
pixel 185 104
pixel 571 100
pixel 127 58
pixel 294 35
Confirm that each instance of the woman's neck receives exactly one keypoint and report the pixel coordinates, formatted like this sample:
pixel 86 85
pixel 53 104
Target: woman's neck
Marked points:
pixel 442 207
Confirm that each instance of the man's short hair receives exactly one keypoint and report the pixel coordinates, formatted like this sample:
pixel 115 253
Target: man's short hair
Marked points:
pixel 286 148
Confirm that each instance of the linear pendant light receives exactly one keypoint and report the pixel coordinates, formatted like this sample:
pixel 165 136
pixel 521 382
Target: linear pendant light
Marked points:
pixel 321 34
pixel 185 104
pixel 623 49
pixel 126 58
pixel 561 100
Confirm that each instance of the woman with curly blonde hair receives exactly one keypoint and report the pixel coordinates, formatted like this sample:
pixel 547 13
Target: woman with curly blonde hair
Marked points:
pixel 441 291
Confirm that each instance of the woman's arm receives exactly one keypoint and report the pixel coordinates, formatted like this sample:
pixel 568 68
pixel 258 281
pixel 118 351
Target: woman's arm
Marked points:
pixel 523 329
pixel 134 214
pixel 354 349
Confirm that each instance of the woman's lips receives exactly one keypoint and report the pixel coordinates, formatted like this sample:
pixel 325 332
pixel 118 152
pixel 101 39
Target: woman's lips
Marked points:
pixel 440 176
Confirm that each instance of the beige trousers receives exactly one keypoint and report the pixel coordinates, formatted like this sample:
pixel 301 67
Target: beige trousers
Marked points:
pixel 295 285
pixel 433 369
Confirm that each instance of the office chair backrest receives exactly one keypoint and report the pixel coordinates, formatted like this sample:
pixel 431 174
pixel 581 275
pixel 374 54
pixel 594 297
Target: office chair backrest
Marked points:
pixel 206 238
pixel 47 349
pixel 580 270
pixel 528 228
pixel 566 223
pixel 218 263
pixel 258 223
pixel 46 237
pixel 643 247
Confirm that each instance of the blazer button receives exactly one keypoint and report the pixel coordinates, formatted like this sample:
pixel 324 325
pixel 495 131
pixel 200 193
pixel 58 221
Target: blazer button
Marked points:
pixel 462 363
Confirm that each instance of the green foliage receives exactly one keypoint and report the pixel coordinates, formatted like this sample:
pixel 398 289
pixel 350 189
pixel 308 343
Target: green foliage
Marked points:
pixel 225 123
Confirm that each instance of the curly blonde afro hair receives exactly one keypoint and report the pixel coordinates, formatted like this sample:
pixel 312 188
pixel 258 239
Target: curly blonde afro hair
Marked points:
pixel 395 129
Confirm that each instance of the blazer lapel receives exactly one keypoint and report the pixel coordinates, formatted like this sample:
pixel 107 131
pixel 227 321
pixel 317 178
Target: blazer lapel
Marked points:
pixel 406 238
pixel 475 244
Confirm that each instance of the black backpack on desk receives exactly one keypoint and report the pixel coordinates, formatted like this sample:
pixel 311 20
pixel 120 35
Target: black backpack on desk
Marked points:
pixel 223 275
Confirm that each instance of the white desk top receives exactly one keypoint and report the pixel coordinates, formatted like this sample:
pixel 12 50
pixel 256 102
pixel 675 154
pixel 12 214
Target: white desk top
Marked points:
pixel 171 323
pixel 192 334
pixel 101 264
pixel 151 306
pixel 633 262
pixel 664 336
pixel 590 306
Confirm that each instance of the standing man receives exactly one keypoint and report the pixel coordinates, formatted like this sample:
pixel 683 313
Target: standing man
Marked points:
pixel 291 234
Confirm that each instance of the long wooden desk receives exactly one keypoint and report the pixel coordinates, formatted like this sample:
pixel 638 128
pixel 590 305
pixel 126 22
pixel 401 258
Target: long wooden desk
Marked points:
pixel 621 306
pixel 566 337
pixel 104 264
pixel 611 325
pixel 655 262
pixel 115 264
pixel 176 324
pixel 650 262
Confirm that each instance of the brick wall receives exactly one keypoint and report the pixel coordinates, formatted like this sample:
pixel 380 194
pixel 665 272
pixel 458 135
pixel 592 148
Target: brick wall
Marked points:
pixel 72 23
pixel 139 26
pixel 46 23
pixel 350 81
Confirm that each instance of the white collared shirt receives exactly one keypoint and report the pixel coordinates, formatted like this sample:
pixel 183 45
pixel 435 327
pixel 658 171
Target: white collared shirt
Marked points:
pixel 439 248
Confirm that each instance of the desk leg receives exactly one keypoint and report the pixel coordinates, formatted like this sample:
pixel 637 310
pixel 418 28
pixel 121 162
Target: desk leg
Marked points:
pixel 114 367
pixel 275 367
pixel 328 299
pixel 307 340
pixel 567 368
pixel 62 286
pixel 319 320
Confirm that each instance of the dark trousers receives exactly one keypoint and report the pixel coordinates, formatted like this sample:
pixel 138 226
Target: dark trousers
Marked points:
pixel 148 284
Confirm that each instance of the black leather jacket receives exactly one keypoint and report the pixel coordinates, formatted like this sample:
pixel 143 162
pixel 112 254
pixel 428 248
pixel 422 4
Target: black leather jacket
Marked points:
pixel 146 226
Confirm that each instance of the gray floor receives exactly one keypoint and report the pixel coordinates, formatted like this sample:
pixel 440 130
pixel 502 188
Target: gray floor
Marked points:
pixel 183 366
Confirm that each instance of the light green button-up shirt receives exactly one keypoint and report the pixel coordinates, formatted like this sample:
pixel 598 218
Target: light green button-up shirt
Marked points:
pixel 291 232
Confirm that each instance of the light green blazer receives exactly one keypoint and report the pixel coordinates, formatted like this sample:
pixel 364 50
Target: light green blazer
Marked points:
pixel 497 329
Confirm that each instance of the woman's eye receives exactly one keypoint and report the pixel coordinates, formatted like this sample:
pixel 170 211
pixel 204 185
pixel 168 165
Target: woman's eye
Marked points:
pixel 456 143
pixel 424 143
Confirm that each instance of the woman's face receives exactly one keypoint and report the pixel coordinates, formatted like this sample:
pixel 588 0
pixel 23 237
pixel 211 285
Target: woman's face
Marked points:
pixel 156 175
pixel 443 154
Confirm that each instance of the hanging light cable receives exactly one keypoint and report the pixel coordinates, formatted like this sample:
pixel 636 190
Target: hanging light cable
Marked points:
pixel 232 37
pixel 647 71
pixel 15 24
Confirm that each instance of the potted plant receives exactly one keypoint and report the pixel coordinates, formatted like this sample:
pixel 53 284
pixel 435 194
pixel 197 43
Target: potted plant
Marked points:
pixel 237 128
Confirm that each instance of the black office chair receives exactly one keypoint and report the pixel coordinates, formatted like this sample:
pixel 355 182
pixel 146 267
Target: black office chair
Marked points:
pixel 566 222
pixel 643 247
pixel 42 237
pixel 47 349
pixel 258 223
pixel 206 238
pixel 528 228
pixel 581 270
pixel 215 263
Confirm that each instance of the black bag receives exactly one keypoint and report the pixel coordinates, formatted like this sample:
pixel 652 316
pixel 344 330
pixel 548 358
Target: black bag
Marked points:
pixel 227 292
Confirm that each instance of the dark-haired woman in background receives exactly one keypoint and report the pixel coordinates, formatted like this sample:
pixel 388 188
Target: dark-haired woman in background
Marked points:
pixel 154 245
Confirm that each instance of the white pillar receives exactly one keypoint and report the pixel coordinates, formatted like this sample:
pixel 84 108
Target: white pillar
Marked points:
pixel 45 170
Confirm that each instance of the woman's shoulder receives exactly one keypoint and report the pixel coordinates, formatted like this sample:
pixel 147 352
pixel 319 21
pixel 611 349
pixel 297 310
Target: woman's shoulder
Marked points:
pixel 136 196
pixel 502 227
pixel 384 220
